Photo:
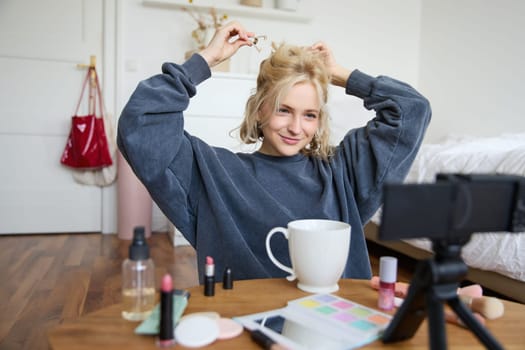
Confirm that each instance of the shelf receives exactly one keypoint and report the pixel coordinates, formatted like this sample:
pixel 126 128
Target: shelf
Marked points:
pixel 231 10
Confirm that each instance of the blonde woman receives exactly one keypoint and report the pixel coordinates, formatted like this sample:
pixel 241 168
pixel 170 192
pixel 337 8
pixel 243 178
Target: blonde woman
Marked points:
pixel 225 203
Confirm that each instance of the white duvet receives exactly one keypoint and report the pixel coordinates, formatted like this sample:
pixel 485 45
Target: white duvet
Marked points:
pixel 499 252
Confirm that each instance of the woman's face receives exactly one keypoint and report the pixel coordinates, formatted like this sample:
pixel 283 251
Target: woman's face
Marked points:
pixel 292 127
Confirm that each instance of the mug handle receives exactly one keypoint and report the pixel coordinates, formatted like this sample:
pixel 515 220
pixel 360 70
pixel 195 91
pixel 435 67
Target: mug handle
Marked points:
pixel 270 254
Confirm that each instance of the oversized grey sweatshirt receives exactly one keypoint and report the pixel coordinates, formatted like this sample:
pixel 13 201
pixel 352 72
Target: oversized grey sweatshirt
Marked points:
pixel 225 203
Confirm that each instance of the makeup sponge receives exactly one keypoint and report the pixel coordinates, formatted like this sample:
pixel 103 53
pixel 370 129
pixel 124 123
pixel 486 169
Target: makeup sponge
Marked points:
pixel 196 331
pixel 228 328
pixel 489 307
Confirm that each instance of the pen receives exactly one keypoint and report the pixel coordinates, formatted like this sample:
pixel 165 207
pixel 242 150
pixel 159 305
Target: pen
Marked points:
pixel 265 341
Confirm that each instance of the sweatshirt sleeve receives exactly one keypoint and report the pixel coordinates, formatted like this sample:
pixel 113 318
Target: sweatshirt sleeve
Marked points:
pixel 152 139
pixel 384 149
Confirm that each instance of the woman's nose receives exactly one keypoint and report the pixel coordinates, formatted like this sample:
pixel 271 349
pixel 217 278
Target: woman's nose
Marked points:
pixel 294 126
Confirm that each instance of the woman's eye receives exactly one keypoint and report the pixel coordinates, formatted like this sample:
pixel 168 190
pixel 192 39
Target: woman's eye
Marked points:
pixel 311 115
pixel 282 110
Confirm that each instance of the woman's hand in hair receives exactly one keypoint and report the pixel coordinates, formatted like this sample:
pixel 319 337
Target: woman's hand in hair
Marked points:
pixel 225 43
pixel 338 73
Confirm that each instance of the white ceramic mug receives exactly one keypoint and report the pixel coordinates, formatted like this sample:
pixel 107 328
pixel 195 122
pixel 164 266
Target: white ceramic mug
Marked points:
pixel 318 252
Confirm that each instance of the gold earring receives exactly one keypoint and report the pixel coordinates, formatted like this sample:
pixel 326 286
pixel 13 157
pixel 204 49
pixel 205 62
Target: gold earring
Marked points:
pixel 315 144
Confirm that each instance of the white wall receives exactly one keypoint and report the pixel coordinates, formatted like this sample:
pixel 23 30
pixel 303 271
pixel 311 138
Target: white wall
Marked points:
pixel 472 66
pixel 379 37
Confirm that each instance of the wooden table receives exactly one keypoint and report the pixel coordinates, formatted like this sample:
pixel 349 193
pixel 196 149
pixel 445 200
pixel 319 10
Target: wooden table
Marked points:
pixel 105 329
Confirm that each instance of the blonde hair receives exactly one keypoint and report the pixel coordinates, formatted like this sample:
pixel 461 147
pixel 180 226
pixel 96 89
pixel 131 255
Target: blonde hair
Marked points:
pixel 287 66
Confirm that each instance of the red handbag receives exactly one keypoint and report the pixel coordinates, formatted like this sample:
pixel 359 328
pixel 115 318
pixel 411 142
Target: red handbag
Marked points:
pixel 87 144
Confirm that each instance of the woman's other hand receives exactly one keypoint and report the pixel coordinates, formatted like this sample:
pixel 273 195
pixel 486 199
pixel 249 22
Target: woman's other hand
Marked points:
pixel 338 73
pixel 225 42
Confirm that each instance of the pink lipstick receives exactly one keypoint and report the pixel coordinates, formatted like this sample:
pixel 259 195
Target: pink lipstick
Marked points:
pixel 166 337
pixel 209 277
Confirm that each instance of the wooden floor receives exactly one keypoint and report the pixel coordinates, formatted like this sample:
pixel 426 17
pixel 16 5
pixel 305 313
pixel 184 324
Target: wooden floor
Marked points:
pixel 47 279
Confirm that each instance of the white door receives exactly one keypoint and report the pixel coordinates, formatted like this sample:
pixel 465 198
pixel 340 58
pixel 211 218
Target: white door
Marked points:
pixel 41 42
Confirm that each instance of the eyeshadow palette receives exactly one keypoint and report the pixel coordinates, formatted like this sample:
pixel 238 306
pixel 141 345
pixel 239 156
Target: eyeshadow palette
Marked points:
pixel 344 314
pixel 320 321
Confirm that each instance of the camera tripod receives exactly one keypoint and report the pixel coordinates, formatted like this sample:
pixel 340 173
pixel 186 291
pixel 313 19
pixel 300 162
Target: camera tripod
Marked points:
pixel 436 281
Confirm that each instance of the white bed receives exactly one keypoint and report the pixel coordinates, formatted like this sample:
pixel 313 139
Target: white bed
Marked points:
pixel 488 254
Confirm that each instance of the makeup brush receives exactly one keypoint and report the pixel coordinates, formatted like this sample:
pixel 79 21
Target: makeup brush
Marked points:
pixel 474 290
pixel 489 307
pixel 401 288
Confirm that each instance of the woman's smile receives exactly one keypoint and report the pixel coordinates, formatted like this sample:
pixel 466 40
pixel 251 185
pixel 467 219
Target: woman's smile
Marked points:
pixel 290 140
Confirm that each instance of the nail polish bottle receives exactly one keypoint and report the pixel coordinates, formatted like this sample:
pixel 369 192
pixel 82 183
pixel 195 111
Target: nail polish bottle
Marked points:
pixel 138 279
pixel 387 282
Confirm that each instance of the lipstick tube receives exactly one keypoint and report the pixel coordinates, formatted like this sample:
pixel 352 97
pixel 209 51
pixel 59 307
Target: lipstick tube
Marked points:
pixel 166 334
pixel 227 279
pixel 209 277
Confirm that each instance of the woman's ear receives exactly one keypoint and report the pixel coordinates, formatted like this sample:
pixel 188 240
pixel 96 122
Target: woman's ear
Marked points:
pixel 262 112
pixel 260 120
